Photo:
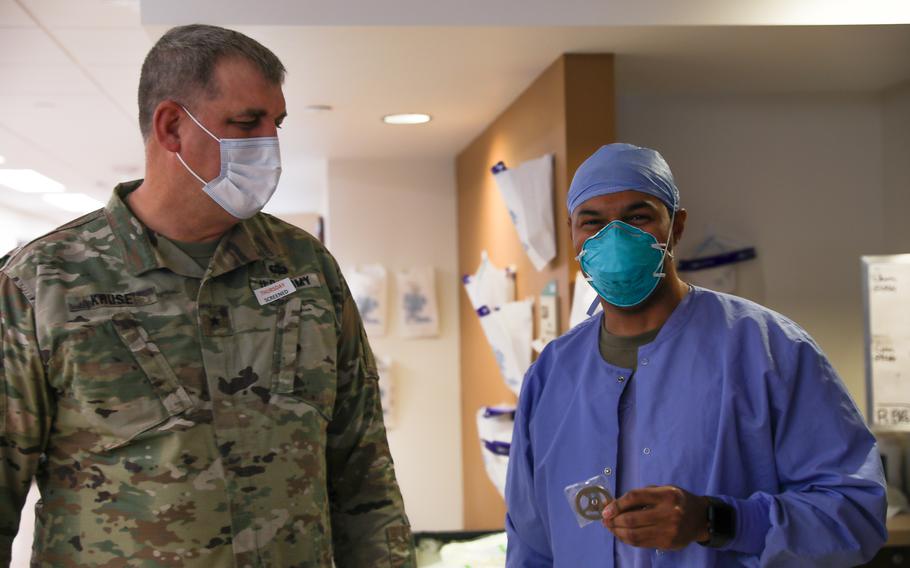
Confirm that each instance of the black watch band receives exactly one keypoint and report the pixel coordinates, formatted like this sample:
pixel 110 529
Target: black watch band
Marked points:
pixel 721 523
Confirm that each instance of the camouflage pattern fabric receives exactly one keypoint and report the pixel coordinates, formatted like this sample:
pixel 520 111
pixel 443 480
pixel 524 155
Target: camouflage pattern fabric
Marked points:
pixel 171 420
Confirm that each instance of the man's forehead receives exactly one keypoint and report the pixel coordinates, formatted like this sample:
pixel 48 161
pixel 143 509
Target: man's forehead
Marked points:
pixel 619 201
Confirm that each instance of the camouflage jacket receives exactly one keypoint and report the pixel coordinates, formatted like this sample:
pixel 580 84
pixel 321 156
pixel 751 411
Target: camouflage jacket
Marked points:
pixel 173 417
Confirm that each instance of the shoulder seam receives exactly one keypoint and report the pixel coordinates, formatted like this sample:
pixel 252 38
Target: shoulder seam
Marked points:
pixel 18 284
pixel 79 221
pixel 285 224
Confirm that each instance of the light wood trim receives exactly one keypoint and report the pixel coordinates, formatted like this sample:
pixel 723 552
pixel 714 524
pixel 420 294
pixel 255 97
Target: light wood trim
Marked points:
pixel 567 111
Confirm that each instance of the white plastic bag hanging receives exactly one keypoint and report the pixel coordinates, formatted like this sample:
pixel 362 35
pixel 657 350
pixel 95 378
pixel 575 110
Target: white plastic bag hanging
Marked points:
pixel 509 332
pixel 713 263
pixel 417 302
pixel 528 193
pixel 386 390
pixel 582 298
pixel 494 427
pixel 719 279
pixel 369 288
pixel 506 324
pixel 489 286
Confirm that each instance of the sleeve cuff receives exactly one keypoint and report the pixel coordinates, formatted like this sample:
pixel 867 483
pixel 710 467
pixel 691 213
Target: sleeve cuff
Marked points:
pixel 752 523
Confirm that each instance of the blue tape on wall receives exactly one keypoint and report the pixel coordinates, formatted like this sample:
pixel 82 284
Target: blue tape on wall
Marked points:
pixel 498 448
pixel 491 412
pixel 717 260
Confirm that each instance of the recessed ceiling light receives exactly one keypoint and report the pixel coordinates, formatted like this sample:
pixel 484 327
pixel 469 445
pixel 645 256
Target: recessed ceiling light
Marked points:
pixel 73 202
pixel 412 118
pixel 29 181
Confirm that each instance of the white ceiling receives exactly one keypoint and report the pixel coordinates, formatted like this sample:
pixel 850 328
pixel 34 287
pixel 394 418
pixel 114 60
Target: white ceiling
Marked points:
pixel 527 12
pixel 70 70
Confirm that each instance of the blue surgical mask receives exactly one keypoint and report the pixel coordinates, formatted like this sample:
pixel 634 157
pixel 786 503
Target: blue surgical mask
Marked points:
pixel 623 263
pixel 250 169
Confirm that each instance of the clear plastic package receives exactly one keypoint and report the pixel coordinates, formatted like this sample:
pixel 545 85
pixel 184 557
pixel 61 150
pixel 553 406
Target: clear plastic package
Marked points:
pixel 588 499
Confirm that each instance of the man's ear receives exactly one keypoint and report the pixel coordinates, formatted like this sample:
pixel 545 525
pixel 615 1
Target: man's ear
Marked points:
pixel 679 226
pixel 165 125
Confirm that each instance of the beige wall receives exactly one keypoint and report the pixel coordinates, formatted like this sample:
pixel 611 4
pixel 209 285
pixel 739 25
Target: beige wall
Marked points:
pixel 799 177
pixel 401 213
pixel 896 162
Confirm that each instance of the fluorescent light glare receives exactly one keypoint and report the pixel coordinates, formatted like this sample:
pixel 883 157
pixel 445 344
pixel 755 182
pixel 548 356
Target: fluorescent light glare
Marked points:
pixel 29 181
pixel 413 118
pixel 845 12
pixel 73 202
pixel 2 160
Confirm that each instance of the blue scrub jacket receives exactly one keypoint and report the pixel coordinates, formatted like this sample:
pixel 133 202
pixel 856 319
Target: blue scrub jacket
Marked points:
pixel 732 400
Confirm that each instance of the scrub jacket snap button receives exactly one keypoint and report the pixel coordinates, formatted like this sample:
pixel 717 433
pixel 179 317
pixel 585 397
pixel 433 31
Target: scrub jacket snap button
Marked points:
pixel 646 451
pixel 644 362
pixel 608 471
pixel 621 378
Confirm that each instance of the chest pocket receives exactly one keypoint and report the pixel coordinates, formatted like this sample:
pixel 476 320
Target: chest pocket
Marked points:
pixel 306 351
pixel 121 381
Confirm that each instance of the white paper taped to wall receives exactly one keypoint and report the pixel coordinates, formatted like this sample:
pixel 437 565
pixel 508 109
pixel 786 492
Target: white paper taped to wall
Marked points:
pixel 547 317
pixel 417 302
pixel 582 298
pixel 494 427
pixel 528 193
pixel 369 287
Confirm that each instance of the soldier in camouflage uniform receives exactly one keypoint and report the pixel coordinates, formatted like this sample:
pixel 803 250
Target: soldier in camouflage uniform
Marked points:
pixel 170 414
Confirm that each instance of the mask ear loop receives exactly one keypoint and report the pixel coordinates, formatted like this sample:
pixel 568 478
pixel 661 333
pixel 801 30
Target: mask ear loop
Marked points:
pixel 199 124
pixel 665 248
pixel 204 129
pixel 593 306
pixel 189 169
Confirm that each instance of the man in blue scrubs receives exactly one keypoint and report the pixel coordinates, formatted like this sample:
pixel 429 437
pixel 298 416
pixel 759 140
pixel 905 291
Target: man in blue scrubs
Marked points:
pixel 719 424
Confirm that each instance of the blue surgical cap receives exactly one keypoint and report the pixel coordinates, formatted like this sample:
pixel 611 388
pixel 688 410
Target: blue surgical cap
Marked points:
pixel 623 167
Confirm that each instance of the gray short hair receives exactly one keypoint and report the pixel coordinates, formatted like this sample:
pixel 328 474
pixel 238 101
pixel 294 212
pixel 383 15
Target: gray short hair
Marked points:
pixel 181 64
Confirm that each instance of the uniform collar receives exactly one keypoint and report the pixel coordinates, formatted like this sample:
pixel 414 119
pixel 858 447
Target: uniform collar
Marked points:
pixel 674 325
pixel 246 242
pixel 677 321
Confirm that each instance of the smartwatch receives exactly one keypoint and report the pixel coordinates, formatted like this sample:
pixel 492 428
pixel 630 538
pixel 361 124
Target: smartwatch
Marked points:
pixel 721 523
